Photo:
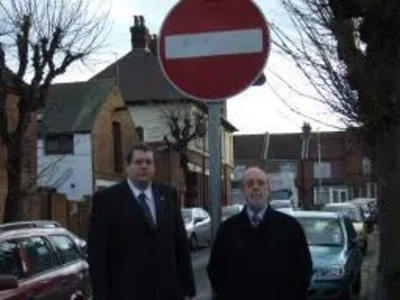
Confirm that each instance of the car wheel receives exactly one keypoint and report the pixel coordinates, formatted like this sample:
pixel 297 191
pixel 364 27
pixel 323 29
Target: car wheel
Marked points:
pixel 356 288
pixel 193 242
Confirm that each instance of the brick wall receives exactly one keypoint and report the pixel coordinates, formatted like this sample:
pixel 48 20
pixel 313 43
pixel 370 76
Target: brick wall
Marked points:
pixel 103 146
pixel 29 164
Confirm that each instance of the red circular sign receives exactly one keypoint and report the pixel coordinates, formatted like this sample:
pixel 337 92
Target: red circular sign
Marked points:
pixel 213 49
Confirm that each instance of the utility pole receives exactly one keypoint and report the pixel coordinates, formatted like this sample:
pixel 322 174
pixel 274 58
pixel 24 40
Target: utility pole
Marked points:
pixel 306 135
pixel 319 168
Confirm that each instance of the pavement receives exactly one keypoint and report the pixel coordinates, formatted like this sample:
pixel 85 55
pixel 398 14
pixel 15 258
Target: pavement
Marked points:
pixel 200 261
pixel 369 271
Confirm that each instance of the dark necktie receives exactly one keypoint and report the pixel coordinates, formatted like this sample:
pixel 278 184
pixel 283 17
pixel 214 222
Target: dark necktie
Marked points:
pixel 256 220
pixel 146 209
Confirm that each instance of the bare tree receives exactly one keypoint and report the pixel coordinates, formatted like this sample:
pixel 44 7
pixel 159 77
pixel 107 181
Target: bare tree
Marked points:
pixel 39 40
pixel 185 125
pixel 350 53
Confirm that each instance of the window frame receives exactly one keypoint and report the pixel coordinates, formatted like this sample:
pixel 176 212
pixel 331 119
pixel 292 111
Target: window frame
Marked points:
pixel 58 251
pixel 65 144
pixel 56 261
pixel 117 146
pixel 17 260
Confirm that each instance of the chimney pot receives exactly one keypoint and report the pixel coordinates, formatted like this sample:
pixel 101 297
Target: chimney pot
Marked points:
pixel 140 37
pixel 154 45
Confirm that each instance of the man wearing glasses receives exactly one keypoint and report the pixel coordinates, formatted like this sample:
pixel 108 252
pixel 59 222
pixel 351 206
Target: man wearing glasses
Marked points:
pixel 137 244
pixel 260 253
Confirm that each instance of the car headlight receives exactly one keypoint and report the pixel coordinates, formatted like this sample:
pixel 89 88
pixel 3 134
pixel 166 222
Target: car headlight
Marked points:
pixel 328 273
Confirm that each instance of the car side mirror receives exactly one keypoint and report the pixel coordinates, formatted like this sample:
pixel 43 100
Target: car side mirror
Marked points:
pixel 8 282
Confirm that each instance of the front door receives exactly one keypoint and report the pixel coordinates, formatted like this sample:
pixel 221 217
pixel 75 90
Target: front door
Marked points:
pixel 338 195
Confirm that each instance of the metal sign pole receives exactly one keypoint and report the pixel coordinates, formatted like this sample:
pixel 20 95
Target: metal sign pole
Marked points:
pixel 214 146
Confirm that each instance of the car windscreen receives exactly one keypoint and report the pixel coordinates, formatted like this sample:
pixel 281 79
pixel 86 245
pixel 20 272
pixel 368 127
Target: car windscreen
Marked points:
pixel 322 231
pixel 352 212
pixel 187 215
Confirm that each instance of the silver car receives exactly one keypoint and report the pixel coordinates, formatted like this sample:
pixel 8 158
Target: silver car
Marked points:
pixel 198 226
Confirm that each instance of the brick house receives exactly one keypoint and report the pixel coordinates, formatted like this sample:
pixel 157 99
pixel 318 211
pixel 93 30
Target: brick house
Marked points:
pixel 148 95
pixel 29 163
pixel 331 167
pixel 85 134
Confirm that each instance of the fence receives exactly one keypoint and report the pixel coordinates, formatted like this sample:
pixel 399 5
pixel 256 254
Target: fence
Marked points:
pixel 73 215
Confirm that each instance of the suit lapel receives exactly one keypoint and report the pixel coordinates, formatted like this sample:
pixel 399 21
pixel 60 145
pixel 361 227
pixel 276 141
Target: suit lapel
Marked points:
pixel 159 202
pixel 133 203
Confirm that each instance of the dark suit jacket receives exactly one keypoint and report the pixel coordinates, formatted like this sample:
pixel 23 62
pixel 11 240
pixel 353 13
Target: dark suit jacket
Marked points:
pixel 271 261
pixel 129 259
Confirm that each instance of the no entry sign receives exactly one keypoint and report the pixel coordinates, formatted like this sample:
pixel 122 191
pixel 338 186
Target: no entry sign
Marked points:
pixel 213 49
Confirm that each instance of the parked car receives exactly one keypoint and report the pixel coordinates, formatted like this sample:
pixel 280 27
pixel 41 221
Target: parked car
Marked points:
pixel 336 257
pixel 42 263
pixel 230 210
pixel 354 213
pixel 198 227
pixel 30 224
pixel 285 206
pixel 42 224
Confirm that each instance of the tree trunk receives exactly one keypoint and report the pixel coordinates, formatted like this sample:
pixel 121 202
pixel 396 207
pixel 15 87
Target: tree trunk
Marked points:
pixel 184 162
pixel 388 174
pixel 13 205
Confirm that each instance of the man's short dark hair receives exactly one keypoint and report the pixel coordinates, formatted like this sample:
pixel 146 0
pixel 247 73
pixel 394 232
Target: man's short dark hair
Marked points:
pixel 138 147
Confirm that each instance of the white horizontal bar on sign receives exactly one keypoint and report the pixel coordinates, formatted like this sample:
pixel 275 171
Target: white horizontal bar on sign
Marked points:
pixel 215 43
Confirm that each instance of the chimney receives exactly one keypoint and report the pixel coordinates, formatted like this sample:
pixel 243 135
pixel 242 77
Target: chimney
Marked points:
pixel 154 44
pixel 140 36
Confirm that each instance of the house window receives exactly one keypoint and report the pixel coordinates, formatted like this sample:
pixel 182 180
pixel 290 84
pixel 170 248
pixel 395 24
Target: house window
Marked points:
pixel 322 170
pixel 59 144
pixel 118 161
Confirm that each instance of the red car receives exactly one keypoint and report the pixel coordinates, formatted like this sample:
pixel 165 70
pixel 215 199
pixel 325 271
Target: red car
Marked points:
pixel 42 263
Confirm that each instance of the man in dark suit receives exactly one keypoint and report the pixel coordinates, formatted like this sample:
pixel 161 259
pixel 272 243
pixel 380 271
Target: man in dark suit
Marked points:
pixel 137 244
pixel 260 253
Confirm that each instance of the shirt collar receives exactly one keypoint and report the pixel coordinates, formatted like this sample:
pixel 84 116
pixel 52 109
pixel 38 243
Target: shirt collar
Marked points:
pixel 261 213
pixel 136 191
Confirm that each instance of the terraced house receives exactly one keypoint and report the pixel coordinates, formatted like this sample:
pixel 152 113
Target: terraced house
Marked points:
pixel 330 166
pixel 85 131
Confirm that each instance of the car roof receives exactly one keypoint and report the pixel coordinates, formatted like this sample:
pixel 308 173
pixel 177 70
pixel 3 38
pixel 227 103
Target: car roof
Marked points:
pixel 342 204
pixel 31 222
pixel 315 214
pixel 28 232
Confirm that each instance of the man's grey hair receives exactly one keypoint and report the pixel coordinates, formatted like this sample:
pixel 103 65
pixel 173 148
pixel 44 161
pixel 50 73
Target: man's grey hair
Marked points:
pixel 243 174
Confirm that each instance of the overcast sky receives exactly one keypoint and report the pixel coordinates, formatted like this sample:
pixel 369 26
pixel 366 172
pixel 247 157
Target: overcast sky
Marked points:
pixel 258 109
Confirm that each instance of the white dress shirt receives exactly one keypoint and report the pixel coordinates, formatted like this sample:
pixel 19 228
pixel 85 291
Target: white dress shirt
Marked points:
pixel 149 198
pixel 260 214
